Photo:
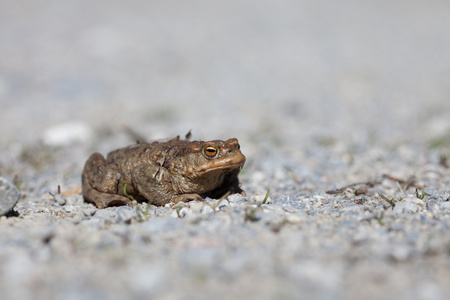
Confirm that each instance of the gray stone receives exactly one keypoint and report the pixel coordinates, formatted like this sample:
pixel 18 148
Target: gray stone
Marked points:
pixel 289 201
pixel 125 214
pixel 433 206
pixel 445 206
pixel 432 192
pixel 207 209
pixel 224 203
pixel 447 194
pixel 74 200
pixel 406 207
pixel 236 198
pixel 9 196
pixel 69 208
pixel 109 213
pixel 59 198
pixel 182 213
pixel 89 212
pixel 95 223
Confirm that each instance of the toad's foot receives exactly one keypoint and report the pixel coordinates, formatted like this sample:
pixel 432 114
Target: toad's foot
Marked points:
pixel 103 200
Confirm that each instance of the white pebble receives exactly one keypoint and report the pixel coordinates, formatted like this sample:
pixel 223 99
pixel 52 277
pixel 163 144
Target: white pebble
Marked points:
pixel 67 133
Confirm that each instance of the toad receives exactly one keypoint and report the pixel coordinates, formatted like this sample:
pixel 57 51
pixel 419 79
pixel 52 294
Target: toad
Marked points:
pixel 176 170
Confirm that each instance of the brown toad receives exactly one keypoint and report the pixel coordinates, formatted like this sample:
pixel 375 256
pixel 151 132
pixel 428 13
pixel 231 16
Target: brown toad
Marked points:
pixel 162 172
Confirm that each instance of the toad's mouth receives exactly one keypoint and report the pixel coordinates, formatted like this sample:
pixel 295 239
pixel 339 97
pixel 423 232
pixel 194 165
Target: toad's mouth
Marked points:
pixel 230 167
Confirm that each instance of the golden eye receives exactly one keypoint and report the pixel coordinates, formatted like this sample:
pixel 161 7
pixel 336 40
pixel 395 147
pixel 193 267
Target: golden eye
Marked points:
pixel 210 151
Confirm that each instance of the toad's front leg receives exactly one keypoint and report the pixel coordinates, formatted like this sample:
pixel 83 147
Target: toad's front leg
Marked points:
pixel 230 185
pixel 154 184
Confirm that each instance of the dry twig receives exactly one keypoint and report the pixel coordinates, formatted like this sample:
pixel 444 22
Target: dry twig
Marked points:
pixel 360 191
pixel 405 184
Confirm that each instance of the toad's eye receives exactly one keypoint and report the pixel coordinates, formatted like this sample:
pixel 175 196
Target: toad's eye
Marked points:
pixel 210 151
pixel 239 147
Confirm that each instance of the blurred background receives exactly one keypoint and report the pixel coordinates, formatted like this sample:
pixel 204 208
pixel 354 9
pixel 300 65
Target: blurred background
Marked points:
pixel 285 71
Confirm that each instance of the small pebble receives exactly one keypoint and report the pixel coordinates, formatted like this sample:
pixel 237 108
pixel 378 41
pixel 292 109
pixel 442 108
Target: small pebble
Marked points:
pixel 293 218
pixel 207 209
pixel 432 192
pixel 74 200
pixel 400 253
pixel 125 214
pixel 60 199
pixel 447 195
pixel 224 203
pixel 108 214
pixel 69 208
pixel 182 213
pixel 433 206
pixel 413 199
pixel 260 198
pixel 289 201
pixel 445 206
pixel 236 198
pixel 9 196
pixel 67 133
pixel 95 223
pixel 405 207
pixel 89 212
pixel 196 206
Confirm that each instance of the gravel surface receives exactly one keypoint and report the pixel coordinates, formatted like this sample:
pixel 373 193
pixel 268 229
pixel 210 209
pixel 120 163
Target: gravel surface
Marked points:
pixel 341 108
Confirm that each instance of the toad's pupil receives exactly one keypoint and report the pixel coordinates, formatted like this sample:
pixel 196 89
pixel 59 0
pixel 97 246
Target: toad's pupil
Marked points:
pixel 211 151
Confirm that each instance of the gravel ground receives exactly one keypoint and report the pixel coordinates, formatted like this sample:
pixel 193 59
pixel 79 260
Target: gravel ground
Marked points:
pixel 341 108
